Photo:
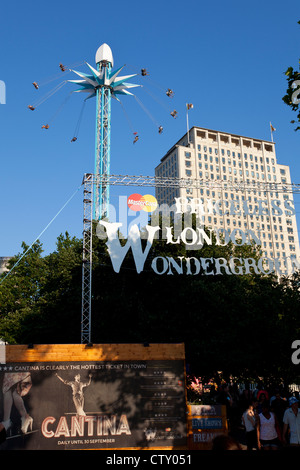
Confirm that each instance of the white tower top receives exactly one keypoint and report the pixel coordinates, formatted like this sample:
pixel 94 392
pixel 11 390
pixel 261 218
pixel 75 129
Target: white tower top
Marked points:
pixel 104 54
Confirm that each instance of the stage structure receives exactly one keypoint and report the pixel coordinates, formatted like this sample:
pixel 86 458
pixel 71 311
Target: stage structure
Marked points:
pixel 104 84
pixel 92 182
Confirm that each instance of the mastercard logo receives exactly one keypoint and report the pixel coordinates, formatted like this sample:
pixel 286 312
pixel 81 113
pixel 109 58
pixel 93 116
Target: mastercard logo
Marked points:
pixel 137 202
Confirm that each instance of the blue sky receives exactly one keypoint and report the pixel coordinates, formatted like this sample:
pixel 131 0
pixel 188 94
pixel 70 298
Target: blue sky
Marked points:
pixel 227 58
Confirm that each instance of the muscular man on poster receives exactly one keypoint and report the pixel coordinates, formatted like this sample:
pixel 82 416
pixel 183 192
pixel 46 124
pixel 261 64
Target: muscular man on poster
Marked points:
pixel 77 391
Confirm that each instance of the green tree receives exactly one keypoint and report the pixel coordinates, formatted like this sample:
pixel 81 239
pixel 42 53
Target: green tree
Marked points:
pixel 243 325
pixel 40 300
pixel 293 78
pixel 21 290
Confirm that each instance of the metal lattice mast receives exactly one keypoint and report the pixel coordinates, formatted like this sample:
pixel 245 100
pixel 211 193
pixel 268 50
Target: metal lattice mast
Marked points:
pixel 102 152
pixel 87 265
pixel 104 84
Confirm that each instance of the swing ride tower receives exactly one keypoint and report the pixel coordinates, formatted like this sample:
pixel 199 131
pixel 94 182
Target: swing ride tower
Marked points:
pixel 104 84
pixel 103 126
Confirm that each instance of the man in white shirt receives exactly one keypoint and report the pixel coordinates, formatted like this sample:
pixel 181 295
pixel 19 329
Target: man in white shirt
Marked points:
pixel 249 421
pixel 291 420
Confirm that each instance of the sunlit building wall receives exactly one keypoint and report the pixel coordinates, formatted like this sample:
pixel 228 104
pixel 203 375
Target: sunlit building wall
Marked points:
pixel 220 160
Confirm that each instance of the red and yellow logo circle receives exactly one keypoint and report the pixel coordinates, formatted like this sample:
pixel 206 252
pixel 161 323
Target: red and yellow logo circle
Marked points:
pixel 137 202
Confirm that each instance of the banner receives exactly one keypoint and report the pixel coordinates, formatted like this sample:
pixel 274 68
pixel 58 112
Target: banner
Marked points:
pixel 205 422
pixel 90 405
pixel 183 223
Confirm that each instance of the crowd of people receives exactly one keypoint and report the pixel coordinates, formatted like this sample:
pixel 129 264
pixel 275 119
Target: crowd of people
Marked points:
pixel 267 418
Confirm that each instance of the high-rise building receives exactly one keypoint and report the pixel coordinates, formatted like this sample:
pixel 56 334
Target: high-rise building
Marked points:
pixel 239 178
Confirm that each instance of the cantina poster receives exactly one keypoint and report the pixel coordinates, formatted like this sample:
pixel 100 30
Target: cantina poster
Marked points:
pixel 78 405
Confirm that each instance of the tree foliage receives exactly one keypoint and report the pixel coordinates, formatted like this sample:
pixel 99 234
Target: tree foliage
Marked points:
pixel 293 89
pixel 240 324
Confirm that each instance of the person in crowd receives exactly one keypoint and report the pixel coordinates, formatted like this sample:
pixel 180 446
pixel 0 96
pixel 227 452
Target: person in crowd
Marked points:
pixel 249 421
pixel 262 398
pixel 224 398
pixel 245 398
pixel 278 406
pixel 263 393
pixel 259 390
pixel 267 429
pixel 291 423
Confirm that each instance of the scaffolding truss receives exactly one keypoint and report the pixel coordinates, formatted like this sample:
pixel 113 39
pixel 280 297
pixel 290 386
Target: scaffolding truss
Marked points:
pixel 86 301
pixel 171 182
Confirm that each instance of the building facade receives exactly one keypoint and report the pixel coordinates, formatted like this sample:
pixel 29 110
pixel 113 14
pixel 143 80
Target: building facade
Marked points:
pixel 240 178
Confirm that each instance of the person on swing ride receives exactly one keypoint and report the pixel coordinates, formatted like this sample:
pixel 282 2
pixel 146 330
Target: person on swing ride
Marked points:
pixel 170 93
